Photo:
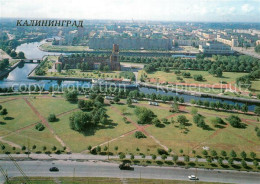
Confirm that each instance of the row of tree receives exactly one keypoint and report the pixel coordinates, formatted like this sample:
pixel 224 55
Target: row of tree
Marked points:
pixel 219 105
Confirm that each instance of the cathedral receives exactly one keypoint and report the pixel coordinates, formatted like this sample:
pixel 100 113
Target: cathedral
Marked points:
pixel 94 63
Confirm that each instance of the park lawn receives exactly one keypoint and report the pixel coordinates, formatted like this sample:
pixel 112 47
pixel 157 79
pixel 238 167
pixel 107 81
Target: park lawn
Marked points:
pixel 172 137
pixel 53 58
pixel 48 105
pixel 56 48
pixel 128 144
pixel 229 77
pixel 19 115
pixel 256 86
pixel 34 137
pixel 8 148
pixel 129 111
pixel 87 74
pixel 2 99
pixel 79 142
pixel 228 141
pixel 223 114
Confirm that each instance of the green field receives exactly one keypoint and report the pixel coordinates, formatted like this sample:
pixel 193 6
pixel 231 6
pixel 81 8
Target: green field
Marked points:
pixel 58 48
pixel 80 74
pixel 19 128
pixel 229 77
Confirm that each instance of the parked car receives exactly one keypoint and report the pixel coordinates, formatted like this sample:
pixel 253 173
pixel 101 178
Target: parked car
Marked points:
pixel 125 166
pixel 193 177
pixel 54 169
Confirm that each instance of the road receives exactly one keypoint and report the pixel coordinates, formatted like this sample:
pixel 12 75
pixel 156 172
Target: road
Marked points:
pixel 104 169
pixel 249 51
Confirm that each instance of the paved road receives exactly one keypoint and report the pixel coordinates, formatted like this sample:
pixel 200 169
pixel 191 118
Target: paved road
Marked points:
pixel 103 169
pixel 249 51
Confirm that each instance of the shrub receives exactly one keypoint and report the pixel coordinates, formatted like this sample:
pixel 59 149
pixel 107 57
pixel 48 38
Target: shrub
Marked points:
pixel 139 135
pixel 52 118
pixel 39 127
pixel 234 121
pixel 162 151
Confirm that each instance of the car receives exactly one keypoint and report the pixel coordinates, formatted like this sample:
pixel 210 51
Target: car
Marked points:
pixel 54 169
pixel 193 177
pixel 125 166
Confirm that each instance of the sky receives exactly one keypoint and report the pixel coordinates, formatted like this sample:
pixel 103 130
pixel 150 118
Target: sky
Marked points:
pixel 160 10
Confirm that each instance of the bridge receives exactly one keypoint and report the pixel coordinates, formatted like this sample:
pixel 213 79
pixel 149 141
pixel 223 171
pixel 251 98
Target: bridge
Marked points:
pixel 34 60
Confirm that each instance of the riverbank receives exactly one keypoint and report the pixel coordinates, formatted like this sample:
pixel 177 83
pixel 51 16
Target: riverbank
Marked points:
pixel 6 72
pixel 199 94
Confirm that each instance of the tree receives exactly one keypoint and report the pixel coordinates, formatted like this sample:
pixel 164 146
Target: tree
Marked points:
pixel 233 154
pixel 217 121
pixel 186 158
pixel 129 101
pixel 132 157
pixel 116 99
pixel 257 110
pixel 89 147
pixel 234 121
pixel 198 77
pixel 253 155
pixel 154 157
pixel 230 161
pixel 52 118
pixel 213 153
pixel 13 54
pixel 244 164
pixel 255 162
pixel 175 158
pixel 71 96
pixel 219 72
pixel 182 119
pixel 66 67
pixel 139 135
pixel 181 151
pixel 175 106
pixel 122 156
pixel 145 116
pixel 81 104
pixel 243 154
pixel 21 55
pixel 4 112
pixel 204 152
pixel 194 111
pixel 164 157
pixel 220 161
pixel 59 68
pixel 54 148
pixel 244 108
pixel 223 153
pixel 209 160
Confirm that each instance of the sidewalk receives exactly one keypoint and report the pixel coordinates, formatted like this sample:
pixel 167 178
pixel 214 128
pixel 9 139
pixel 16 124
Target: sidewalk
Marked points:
pixel 78 156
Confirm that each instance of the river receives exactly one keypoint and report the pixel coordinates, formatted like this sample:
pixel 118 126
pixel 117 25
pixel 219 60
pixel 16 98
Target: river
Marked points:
pixel 18 77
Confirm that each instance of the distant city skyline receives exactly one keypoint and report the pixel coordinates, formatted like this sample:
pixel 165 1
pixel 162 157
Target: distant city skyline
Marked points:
pixel 163 10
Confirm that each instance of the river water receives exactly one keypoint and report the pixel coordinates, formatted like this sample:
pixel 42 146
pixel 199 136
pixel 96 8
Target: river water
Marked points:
pixel 18 77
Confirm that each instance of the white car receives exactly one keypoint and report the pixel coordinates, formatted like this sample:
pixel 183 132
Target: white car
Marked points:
pixel 193 177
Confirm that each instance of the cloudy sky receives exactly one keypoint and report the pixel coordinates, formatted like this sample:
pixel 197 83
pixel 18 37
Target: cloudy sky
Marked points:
pixel 169 10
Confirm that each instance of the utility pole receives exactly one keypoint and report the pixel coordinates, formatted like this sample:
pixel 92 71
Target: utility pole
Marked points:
pixel 73 174
pixel 108 150
pixel 28 150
